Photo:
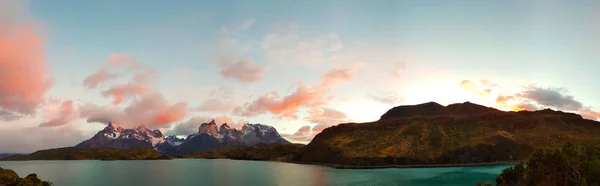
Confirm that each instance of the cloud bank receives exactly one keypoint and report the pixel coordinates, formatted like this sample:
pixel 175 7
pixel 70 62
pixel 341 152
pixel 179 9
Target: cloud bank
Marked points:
pixel 304 96
pixel 22 65
pixel 531 98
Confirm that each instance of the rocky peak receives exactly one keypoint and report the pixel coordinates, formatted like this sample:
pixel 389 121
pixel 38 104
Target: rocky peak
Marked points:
pixel 258 133
pixel 115 136
pixel 209 128
pixel 174 140
pixel 224 129
pixel 112 127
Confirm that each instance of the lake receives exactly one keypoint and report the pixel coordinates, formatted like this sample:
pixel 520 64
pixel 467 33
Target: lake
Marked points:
pixel 236 172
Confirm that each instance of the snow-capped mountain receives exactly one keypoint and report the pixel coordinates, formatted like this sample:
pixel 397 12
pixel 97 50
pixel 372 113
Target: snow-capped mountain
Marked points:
pixel 209 136
pixel 115 136
pixel 174 140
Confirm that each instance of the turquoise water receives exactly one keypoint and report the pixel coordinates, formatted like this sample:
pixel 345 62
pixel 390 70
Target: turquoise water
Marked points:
pixel 235 172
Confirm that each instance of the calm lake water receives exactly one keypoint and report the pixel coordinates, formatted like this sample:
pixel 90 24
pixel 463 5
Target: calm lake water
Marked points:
pixel 235 172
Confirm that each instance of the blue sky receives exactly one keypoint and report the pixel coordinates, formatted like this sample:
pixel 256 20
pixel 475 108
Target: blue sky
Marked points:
pixel 541 53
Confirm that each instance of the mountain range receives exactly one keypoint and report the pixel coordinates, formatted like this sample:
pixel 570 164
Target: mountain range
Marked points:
pixel 209 136
pixel 408 135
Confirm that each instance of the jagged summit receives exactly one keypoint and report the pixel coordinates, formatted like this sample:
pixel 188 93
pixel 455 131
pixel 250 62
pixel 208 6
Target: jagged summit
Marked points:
pixel 115 136
pixel 113 125
pixel 209 136
pixel 209 128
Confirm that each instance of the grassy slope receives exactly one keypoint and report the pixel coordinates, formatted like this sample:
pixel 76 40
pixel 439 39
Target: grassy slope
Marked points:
pixel 434 139
pixel 72 153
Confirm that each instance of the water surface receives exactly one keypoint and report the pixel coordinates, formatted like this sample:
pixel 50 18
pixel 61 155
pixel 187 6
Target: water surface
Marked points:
pixel 236 172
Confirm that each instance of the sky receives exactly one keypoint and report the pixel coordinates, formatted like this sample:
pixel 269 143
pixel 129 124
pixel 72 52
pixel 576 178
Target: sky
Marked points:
pixel 69 67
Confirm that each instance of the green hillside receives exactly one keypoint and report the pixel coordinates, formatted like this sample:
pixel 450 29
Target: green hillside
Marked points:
pixel 460 133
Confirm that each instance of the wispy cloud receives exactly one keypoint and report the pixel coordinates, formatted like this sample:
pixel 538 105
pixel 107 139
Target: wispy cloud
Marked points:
pixel 388 98
pixel 216 106
pixel 147 107
pixel 244 71
pixel 93 80
pixel 63 115
pixel 303 96
pixel 286 44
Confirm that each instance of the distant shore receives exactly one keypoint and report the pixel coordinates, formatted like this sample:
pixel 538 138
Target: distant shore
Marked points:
pixel 338 166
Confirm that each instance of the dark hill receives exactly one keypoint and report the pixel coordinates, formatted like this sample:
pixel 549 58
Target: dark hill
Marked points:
pixel 459 133
pixel 9 177
pixel 435 109
pixel 73 153
pixel 263 152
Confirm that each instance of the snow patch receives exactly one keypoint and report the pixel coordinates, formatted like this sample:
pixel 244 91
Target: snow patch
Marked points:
pixel 113 135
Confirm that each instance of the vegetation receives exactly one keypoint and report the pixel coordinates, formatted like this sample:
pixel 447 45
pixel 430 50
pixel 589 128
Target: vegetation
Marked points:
pixel 73 153
pixel 264 152
pixel 457 134
pixel 9 177
pixel 570 165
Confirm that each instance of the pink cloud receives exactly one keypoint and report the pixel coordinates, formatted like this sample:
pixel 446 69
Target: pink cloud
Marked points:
pixel 284 107
pixel 65 114
pixel 336 76
pixel 22 66
pixel 324 118
pixel 302 131
pixel 152 109
pixel 244 71
pixel 139 85
pixel 588 113
pixel 92 81
pixel 303 96
pixel 119 93
pixel 118 60
pixel 149 108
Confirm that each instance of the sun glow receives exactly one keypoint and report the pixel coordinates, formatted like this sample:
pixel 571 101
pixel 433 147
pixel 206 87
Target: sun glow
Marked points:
pixel 363 110
pixel 493 95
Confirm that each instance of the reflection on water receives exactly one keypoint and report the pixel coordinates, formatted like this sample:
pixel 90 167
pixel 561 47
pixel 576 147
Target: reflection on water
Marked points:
pixel 233 172
pixel 290 174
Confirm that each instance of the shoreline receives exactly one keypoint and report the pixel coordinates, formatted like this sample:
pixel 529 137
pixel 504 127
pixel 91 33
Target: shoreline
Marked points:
pixel 339 166
pixel 331 165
